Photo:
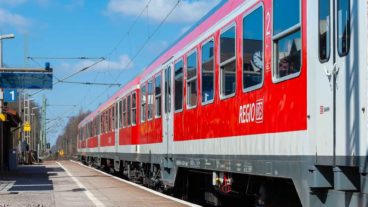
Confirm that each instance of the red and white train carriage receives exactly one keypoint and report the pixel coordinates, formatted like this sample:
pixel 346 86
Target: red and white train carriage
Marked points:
pixel 263 100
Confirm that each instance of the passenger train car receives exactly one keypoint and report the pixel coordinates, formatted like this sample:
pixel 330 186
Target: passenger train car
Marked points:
pixel 263 102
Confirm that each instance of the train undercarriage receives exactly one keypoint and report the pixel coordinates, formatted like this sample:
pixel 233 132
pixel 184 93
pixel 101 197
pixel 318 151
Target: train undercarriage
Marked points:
pixel 205 187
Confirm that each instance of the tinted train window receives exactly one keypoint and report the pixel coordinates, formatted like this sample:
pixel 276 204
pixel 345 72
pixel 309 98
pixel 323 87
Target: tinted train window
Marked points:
pixel 207 68
pixel 158 95
pixel 192 79
pixel 134 108
pixel 143 103
pixel 150 100
pixel 124 112
pixel 168 90
pixel 227 62
pixel 120 113
pixel 324 30
pixel 253 49
pixel 343 26
pixel 287 38
pixel 128 110
pixel 178 85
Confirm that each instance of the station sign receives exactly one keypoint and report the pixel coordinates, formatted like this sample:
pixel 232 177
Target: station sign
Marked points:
pixel 10 95
pixel 26 80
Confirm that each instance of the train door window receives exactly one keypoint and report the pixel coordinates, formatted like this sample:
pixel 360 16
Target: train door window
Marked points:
pixel 98 124
pixel 134 109
pixel 110 119
pixel 120 113
pixel 124 113
pixel 116 115
pixel 253 50
pixel 158 96
pixel 207 70
pixel 286 39
pixel 343 27
pixel 150 100
pixel 168 90
pixel 178 69
pixel 143 103
pixel 192 79
pixel 129 104
pixel 227 62
pixel 324 30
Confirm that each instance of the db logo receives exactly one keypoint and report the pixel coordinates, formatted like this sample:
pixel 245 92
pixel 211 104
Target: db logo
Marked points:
pixel 251 112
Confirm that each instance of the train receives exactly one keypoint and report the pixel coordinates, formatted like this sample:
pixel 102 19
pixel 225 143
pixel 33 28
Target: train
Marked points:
pixel 261 103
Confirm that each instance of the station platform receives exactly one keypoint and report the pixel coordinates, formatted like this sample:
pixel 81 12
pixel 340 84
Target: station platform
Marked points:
pixel 68 183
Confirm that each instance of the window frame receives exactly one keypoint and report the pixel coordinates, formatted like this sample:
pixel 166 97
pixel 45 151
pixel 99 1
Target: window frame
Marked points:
pixel 223 30
pixel 338 28
pixel 135 108
pixel 129 118
pixel 182 88
pixel 150 81
pixel 158 96
pixel 211 38
pixel 141 103
pixel 319 32
pixel 286 32
pixel 124 106
pixel 188 106
pixel 260 85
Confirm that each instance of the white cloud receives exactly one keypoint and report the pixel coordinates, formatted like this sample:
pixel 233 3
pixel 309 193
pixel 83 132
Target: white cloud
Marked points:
pixel 120 64
pixel 14 20
pixel 186 12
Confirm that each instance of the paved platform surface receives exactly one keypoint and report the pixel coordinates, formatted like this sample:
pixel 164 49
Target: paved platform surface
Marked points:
pixel 66 183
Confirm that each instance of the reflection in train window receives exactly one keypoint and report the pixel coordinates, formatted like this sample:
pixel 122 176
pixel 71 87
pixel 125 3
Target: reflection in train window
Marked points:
pixel 207 68
pixel 343 26
pixel 178 77
pixel 192 80
pixel 287 39
pixel 150 100
pixel 134 108
pixel 324 30
pixel 253 49
pixel 143 104
pixel 227 62
pixel 158 95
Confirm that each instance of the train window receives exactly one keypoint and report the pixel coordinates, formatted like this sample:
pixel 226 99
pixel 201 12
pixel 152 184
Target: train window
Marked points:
pixel 227 62
pixel 124 113
pixel 178 85
pixel 150 100
pixel 192 80
pixel 253 50
pixel 134 108
pixel 143 103
pixel 324 30
pixel 343 26
pixel 287 39
pixel 129 103
pixel 120 113
pixel 158 95
pixel 207 68
pixel 168 90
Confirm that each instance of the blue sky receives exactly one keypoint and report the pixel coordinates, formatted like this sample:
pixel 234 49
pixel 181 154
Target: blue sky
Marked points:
pixel 76 28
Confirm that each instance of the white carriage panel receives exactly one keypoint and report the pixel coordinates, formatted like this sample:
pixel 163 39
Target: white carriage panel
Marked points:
pixel 110 149
pixel 289 143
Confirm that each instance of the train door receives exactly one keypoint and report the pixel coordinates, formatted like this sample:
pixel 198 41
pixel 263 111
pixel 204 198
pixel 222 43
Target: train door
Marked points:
pixel 321 66
pixel 350 73
pixel 167 112
pixel 337 77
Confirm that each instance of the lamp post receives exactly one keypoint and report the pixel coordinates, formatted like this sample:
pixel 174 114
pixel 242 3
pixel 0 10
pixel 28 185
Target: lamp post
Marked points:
pixel 5 36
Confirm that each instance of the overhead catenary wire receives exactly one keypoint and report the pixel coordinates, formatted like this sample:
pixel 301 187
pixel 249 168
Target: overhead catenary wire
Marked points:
pixel 91 83
pixel 143 46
